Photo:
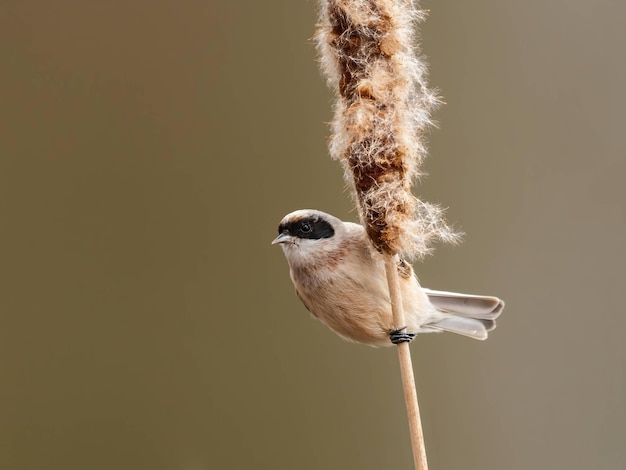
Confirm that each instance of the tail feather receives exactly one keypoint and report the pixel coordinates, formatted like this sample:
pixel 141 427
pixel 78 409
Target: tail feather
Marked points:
pixel 470 327
pixel 464 314
pixel 483 307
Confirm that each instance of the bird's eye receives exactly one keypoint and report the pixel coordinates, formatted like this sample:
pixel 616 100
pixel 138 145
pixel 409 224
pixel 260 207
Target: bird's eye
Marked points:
pixel 306 228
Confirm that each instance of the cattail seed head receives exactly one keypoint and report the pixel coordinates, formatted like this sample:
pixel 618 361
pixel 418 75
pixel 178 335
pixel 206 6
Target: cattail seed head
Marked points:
pixel 383 108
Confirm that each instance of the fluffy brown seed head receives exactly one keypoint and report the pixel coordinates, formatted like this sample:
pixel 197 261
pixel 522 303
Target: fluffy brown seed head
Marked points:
pixel 383 107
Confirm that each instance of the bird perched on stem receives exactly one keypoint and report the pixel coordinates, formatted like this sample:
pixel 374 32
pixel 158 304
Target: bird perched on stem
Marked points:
pixel 341 280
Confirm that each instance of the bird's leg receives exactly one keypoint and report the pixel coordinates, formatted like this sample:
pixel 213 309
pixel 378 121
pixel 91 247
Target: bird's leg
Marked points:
pixel 399 335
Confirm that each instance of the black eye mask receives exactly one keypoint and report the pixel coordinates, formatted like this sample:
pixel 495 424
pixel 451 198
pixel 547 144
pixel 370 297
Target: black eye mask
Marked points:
pixel 312 228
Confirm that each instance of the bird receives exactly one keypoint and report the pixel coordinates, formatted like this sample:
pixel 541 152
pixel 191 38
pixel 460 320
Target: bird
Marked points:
pixel 340 278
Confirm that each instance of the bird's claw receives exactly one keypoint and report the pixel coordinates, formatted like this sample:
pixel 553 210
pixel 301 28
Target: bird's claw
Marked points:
pixel 399 335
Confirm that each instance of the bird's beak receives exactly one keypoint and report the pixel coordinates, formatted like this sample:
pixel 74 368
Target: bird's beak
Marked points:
pixel 283 238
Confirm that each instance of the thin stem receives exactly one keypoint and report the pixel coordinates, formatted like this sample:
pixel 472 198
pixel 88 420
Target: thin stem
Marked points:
pixel 406 368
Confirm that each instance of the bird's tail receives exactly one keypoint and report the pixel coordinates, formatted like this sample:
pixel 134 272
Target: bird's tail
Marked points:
pixel 464 314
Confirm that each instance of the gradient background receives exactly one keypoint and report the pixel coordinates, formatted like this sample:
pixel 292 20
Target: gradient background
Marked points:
pixel 148 150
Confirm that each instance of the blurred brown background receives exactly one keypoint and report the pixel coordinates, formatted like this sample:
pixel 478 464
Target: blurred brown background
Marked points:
pixel 148 150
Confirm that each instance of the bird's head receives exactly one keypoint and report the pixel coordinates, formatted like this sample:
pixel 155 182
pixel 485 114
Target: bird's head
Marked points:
pixel 306 227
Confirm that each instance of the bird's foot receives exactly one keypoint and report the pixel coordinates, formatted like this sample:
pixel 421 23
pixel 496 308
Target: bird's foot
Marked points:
pixel 399 335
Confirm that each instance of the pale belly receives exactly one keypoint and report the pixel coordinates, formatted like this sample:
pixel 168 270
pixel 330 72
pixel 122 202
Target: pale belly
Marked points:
pixel 356 312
